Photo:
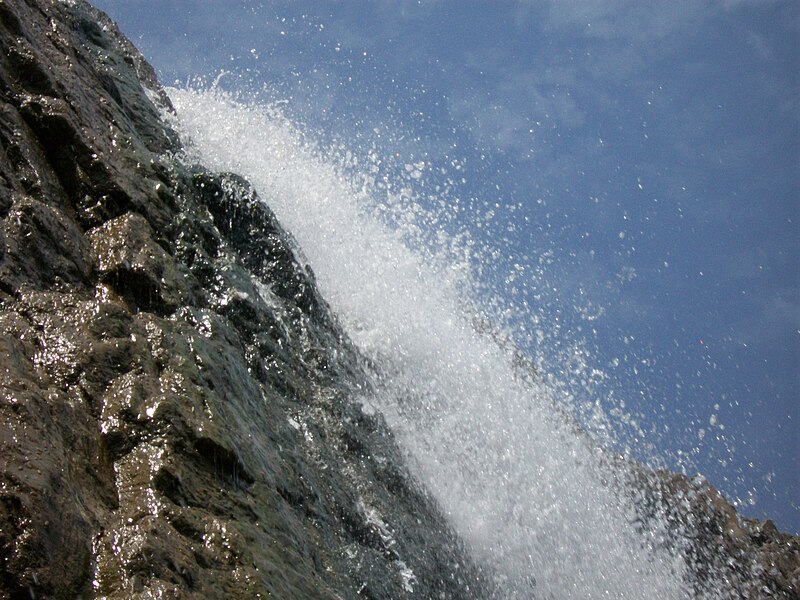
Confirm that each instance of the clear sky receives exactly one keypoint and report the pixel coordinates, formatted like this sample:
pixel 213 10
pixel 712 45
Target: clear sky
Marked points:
pixel 651 150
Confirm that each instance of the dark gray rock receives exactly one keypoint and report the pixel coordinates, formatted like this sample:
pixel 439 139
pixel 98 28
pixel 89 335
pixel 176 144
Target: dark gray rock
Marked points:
pixel 176 413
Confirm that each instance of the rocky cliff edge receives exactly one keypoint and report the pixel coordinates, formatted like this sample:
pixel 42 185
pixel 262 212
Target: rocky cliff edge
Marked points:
pixel 175 396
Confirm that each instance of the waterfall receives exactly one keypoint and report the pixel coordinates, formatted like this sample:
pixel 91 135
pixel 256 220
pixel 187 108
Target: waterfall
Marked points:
pixel 535 497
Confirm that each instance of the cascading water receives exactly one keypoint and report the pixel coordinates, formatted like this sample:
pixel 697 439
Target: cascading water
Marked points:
pixel 535 498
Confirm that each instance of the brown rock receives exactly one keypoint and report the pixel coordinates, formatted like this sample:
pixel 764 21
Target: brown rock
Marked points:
pixel 174 393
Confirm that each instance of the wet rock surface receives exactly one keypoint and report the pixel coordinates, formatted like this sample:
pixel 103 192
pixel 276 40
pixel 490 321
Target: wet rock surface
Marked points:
pixel 751 558
pixel 177 404
pixel 179 411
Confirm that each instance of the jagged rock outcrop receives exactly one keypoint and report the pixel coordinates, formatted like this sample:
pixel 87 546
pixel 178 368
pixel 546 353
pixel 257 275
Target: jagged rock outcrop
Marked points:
pixel 751 558
pixel 176 413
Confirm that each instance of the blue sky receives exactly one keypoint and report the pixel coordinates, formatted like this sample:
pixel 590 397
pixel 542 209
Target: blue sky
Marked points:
pixel 652 147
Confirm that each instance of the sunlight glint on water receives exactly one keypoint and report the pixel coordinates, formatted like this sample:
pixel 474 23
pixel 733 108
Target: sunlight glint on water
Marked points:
pixel 519 484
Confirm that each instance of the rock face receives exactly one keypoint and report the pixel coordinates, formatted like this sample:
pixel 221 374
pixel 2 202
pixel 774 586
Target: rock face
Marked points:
pixel 176 414
pixel 752 559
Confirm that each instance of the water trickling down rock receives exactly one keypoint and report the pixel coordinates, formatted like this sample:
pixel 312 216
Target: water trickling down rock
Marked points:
pixel 175 413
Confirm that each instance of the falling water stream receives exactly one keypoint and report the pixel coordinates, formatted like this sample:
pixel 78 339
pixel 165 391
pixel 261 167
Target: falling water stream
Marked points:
pixel 534 497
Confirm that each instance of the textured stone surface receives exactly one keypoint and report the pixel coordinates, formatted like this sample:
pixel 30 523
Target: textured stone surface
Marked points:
pixel 175 413
pixel 751 557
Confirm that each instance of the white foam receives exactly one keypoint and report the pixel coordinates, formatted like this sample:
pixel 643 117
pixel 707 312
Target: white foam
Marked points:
pixel 527 491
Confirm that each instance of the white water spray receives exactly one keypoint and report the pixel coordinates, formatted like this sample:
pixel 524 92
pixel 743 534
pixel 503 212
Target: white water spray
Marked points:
pixel 529 493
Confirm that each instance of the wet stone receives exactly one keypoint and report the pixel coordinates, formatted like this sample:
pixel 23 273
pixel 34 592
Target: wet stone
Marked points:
pixel 128 258
pixel 42 247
